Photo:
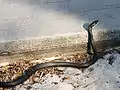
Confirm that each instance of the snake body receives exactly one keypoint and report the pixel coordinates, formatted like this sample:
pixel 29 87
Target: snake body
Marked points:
pixel 33 69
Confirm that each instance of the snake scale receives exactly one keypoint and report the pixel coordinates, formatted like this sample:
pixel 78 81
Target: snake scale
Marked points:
pixel 33 69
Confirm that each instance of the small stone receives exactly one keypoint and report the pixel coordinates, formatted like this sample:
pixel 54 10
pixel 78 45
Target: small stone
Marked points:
pixel 66 78
pixel 26 82
pixel 111 60
pixel 90 69
pixel 77 74
pixel 87 76
pixel 28 87
pixel 107 82
pixel 54 83
pixel 117 82
pixel 61 68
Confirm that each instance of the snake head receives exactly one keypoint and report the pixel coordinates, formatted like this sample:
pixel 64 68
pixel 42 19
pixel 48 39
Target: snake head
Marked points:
pixel 93 23
pixel 87 26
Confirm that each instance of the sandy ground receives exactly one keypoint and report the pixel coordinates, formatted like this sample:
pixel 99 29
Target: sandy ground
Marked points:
pixel 103 75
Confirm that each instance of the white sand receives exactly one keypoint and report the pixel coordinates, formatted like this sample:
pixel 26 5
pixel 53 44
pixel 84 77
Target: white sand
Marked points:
pixel 100 76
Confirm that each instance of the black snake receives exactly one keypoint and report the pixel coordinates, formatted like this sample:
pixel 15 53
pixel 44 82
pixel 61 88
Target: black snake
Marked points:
pixel 33 69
